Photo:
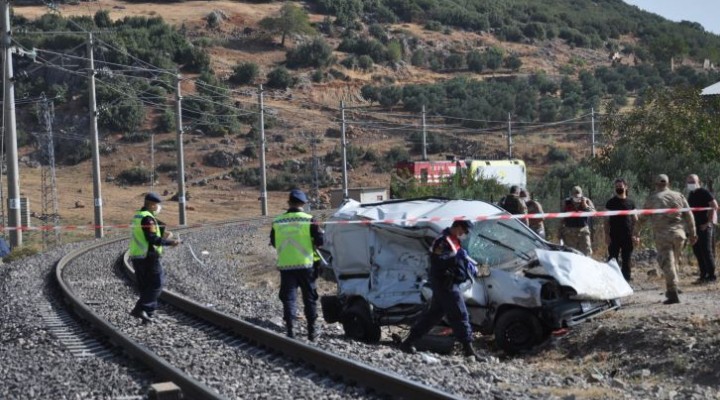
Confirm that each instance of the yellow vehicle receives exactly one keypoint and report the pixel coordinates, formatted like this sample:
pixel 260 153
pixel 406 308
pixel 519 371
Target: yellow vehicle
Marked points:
pixel 507 172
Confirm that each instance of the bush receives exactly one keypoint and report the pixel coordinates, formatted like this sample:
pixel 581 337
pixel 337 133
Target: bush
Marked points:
pixel 134 176
pixel 435 26
pixel 166 121
pixel 166 145
pixel 18 253
pixel 246 176
pixel 394 51
pixel 315 54
pixel 556 154
pixel 166 167
pixel 475 61
pixel 244 74
pixel 317 76
pixel 135 137
pixel 280 78
pixel 365 62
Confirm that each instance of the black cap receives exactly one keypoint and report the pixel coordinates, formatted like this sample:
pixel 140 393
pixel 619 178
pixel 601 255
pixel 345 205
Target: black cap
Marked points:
pixel 464 223
pixel 153 197
pixel 297 195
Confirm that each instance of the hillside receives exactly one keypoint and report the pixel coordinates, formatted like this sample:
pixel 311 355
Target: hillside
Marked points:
pixel 546 64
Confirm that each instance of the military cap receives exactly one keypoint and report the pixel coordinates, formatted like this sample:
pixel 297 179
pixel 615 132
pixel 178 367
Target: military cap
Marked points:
pixel 153 197
pixel 297 195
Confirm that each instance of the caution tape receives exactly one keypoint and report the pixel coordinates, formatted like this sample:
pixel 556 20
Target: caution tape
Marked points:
pixel 477 218
pixel 491 217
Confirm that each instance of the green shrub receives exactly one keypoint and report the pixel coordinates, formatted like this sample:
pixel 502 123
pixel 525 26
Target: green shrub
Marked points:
pixel 365 62
pixel 246 176
pixel 166 167
pixel 435 26
pixel 136 137
pixel 244 73
pixel 280 78
pixel 166 145
pixel 315 54
pixel 556 154
pixel 134 176
pixel 18 253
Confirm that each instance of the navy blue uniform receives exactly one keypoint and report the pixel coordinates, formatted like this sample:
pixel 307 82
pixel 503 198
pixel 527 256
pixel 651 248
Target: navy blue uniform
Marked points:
pixel 447 270
pixel 292 279
pixel 148 271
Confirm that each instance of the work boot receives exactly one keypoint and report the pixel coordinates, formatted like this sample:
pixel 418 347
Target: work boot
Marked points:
pixel 407 347
pixel 138 313
pixel 672 298
pixel 469 350
pixel 312 331
pixel 289 330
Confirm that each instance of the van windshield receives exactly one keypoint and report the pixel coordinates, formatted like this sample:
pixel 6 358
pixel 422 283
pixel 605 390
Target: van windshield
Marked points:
pixel 500 243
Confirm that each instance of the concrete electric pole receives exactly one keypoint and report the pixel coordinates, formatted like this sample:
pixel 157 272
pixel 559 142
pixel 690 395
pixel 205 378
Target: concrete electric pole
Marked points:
pixel 14 221
pixel 97 191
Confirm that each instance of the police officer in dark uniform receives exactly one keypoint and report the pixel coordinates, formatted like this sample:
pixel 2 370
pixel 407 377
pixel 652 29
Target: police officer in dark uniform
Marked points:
pixel 449 266
pixel 147 239
pixel 295 234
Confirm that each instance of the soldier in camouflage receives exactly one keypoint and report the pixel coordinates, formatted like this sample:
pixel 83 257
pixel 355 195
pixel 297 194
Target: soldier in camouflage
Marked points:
pixel 669 232
pixel 575 232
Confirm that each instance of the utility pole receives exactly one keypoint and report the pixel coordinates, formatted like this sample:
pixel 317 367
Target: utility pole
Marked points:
pixel 152 162
pixel 263 176
pixel 343 141
pixel 97 195
pixel 13 175
pixel 592 124
pixel 49 214
pixel 424 135
pixel 315 194
pixel 180 151
pixel 509 138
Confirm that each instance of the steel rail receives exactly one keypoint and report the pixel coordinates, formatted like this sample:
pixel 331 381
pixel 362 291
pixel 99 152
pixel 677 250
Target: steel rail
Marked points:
pixel 190 387
pixel 349 370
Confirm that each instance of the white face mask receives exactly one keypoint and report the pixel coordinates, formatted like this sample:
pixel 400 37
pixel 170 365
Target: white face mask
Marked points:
pixel 524 199
pixel 691 186
pixel 157 210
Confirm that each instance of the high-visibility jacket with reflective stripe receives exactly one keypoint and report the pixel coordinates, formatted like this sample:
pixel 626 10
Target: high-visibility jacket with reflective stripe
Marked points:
pixel 139 245
pixel 293 240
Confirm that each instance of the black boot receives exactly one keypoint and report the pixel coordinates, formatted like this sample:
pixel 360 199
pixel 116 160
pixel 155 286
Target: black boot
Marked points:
pixel 407 346
pixel 289 330
pixel 469 350
pixel 312 331
pixel 672 297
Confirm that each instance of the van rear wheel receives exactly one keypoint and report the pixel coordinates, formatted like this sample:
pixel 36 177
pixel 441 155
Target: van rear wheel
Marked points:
pixel 358 324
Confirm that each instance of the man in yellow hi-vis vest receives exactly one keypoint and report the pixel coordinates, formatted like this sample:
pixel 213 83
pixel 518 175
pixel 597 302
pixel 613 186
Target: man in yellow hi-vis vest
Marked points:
pixel 148 236
pixel 295 235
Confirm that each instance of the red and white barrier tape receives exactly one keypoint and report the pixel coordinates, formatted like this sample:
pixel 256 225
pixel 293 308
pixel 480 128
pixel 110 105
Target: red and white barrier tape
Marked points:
pixel 574 214
pixel 477 218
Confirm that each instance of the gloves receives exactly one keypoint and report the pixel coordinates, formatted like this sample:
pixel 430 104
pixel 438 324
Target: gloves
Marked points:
pixel 316 270
pixel 472 268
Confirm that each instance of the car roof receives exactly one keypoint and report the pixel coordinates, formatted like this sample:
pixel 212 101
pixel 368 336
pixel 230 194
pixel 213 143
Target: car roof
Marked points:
pixel 440 212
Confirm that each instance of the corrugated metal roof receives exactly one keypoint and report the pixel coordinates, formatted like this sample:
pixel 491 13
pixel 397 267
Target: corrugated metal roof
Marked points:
pixel 711 90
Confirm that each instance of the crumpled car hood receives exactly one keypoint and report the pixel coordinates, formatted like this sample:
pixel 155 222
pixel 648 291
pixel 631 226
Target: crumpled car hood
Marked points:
pixel 592 280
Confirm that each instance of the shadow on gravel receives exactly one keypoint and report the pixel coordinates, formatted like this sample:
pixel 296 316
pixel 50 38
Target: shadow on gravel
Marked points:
pixel 676 351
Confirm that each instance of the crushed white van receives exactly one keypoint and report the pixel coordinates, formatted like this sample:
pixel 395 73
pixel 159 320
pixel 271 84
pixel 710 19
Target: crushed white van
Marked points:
pixel 526 288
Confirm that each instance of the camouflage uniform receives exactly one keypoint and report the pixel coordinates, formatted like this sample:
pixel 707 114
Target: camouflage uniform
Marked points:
pixel 575 232
pixel 668 231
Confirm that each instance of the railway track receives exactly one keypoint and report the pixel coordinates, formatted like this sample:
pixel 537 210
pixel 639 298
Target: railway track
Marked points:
pixel 208 353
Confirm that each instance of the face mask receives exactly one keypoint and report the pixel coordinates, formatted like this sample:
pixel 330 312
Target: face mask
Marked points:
pixel 692 186
pixel 524 199
pixel 157 210
pixel 462 237
pixel 619 190
pixel 576 199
